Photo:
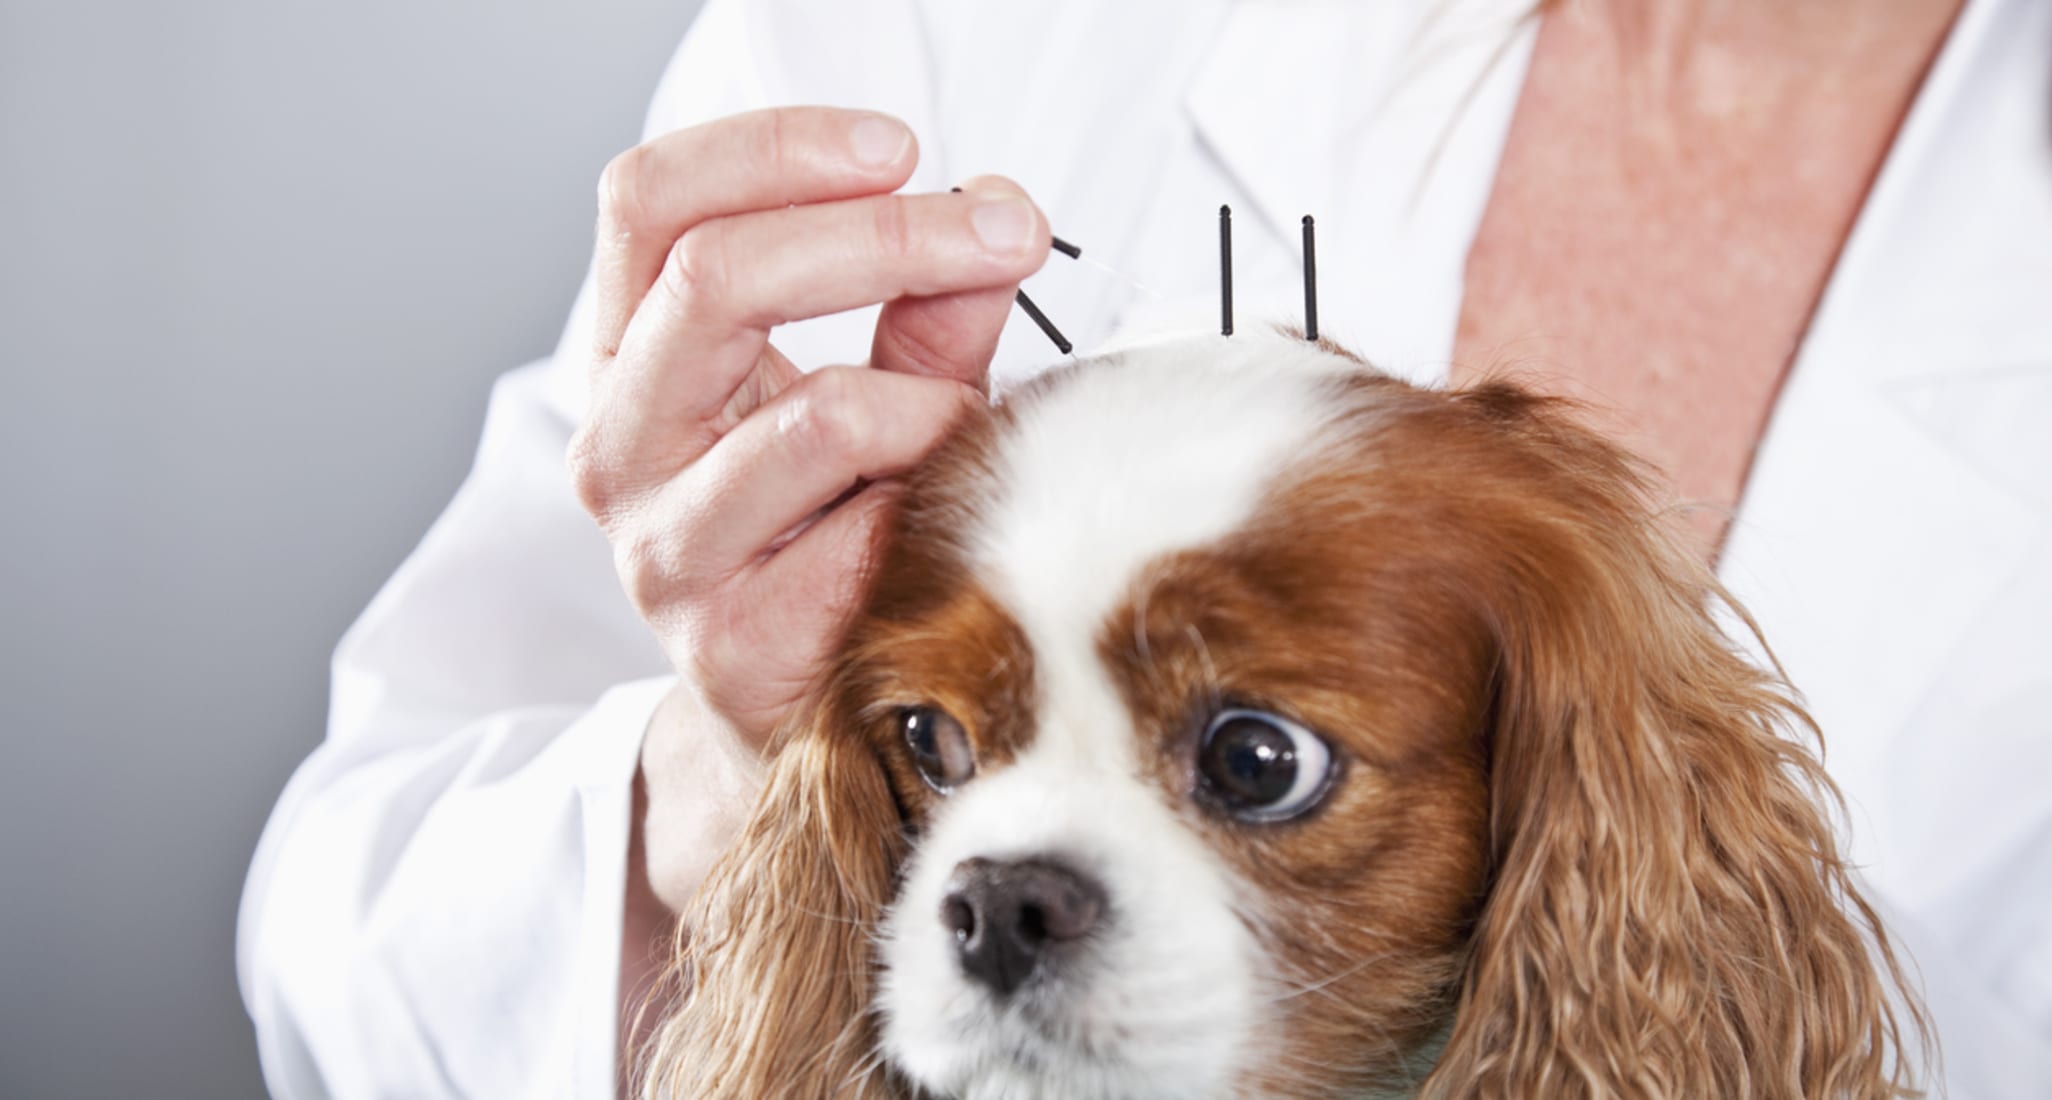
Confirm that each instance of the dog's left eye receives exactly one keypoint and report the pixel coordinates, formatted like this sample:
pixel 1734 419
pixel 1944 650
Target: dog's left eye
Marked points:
pixel 1263 767
pixel 940 747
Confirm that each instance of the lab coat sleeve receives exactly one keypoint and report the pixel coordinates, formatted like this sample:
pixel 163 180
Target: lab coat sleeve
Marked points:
pixel 434 907
pixel 435 903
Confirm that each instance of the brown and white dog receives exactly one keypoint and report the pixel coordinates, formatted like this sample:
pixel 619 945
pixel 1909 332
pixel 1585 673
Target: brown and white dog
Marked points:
pixel 1228 719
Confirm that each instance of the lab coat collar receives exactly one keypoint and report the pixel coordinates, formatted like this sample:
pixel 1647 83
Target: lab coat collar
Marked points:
pixel 1866 497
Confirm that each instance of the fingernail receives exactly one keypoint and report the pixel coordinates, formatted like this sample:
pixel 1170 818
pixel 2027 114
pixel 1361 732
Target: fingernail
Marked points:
pixel 879 141
pixel 1005 225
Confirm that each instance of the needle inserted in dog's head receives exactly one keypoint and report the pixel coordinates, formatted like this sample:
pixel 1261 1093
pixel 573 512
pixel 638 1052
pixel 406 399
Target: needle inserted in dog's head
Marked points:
pixel 1225 270
pixel 1310 281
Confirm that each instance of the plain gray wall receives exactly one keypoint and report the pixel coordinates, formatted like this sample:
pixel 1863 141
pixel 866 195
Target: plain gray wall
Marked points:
pixel 259 262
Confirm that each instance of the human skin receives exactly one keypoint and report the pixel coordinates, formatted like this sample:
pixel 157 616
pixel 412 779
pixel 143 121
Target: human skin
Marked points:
pixel 1677 183
pixel 743 498
pixel 1676 186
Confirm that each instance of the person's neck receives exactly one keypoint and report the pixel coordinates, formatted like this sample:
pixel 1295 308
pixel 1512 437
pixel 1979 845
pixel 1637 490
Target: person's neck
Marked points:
pixel 1720 57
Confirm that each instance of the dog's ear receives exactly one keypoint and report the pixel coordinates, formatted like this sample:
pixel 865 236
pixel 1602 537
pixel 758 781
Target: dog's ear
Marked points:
pixel 1669 914
pixel 775 961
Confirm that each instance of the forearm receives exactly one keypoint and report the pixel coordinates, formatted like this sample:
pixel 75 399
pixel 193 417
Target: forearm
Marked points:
pixel 699 780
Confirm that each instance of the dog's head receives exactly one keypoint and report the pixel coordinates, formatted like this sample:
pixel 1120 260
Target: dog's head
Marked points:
pixel 1227 719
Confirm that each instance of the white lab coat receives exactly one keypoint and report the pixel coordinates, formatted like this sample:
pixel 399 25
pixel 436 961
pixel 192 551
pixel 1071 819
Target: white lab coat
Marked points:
pixel 434 909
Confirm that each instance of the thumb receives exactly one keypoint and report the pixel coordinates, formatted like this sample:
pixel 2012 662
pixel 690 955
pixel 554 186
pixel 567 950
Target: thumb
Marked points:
pixel 947 335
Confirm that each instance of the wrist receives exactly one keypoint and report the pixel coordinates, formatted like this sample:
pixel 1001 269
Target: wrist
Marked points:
pixel 702 777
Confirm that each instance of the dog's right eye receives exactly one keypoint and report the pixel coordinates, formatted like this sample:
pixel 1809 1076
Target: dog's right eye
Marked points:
pixel 1263 767
pixel 940 747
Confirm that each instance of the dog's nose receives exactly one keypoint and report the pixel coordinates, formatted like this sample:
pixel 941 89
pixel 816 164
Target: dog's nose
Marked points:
pixel 1009 917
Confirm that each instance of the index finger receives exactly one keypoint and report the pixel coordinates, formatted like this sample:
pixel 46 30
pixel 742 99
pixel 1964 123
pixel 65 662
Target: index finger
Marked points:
pixel 761 160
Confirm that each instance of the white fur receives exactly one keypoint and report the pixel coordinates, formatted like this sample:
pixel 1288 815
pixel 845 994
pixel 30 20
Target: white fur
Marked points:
pixel 1162 1000
pixel 1171 448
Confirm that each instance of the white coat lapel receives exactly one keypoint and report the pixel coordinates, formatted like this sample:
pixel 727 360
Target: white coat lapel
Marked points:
pixel 1872 535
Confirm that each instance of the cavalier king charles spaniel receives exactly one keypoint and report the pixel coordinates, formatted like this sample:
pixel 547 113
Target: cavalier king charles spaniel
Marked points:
pixel 1227 719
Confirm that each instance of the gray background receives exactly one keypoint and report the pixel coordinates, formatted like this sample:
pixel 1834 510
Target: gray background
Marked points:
pixel 259 262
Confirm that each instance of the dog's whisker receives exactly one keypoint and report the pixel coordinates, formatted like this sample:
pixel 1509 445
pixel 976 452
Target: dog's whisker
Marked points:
pixel 1320 984
pixel 1141 643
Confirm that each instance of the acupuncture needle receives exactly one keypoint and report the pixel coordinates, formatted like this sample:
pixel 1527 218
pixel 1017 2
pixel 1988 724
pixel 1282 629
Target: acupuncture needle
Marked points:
pixel 1033 311
pixel 1310 279
pixel 1225 270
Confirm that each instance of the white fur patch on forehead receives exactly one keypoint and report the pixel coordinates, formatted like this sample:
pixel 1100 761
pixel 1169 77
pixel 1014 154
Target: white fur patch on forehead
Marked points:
pixel 1159 448
pixel 1162 446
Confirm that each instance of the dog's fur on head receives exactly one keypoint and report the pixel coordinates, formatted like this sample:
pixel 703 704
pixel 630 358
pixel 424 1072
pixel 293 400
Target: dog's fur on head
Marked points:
pixel 1574 844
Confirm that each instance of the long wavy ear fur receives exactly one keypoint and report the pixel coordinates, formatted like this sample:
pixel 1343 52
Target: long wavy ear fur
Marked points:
pixel 774 956
pixel 1670 915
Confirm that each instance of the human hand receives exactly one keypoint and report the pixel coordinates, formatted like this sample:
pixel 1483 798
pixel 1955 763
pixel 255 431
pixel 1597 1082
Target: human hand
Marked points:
pixel 744 499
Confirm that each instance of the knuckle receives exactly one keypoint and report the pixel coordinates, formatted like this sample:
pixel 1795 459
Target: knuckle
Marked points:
pixel 827 419
pixel 892 225
pixel 619 190
pixel 770 151
pixel 645 557
pixel 697 267
pixel 591 473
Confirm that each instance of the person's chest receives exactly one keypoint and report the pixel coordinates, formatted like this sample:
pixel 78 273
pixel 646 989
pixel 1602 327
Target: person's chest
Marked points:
pixel 1656 241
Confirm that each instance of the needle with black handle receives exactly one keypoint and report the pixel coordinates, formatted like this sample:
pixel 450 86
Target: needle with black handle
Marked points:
pixel 1033 311
pixel 1225 270
pixel 1310 280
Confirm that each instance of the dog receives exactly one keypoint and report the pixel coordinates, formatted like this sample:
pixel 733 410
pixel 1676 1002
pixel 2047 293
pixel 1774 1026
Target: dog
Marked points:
pixel 1228 719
